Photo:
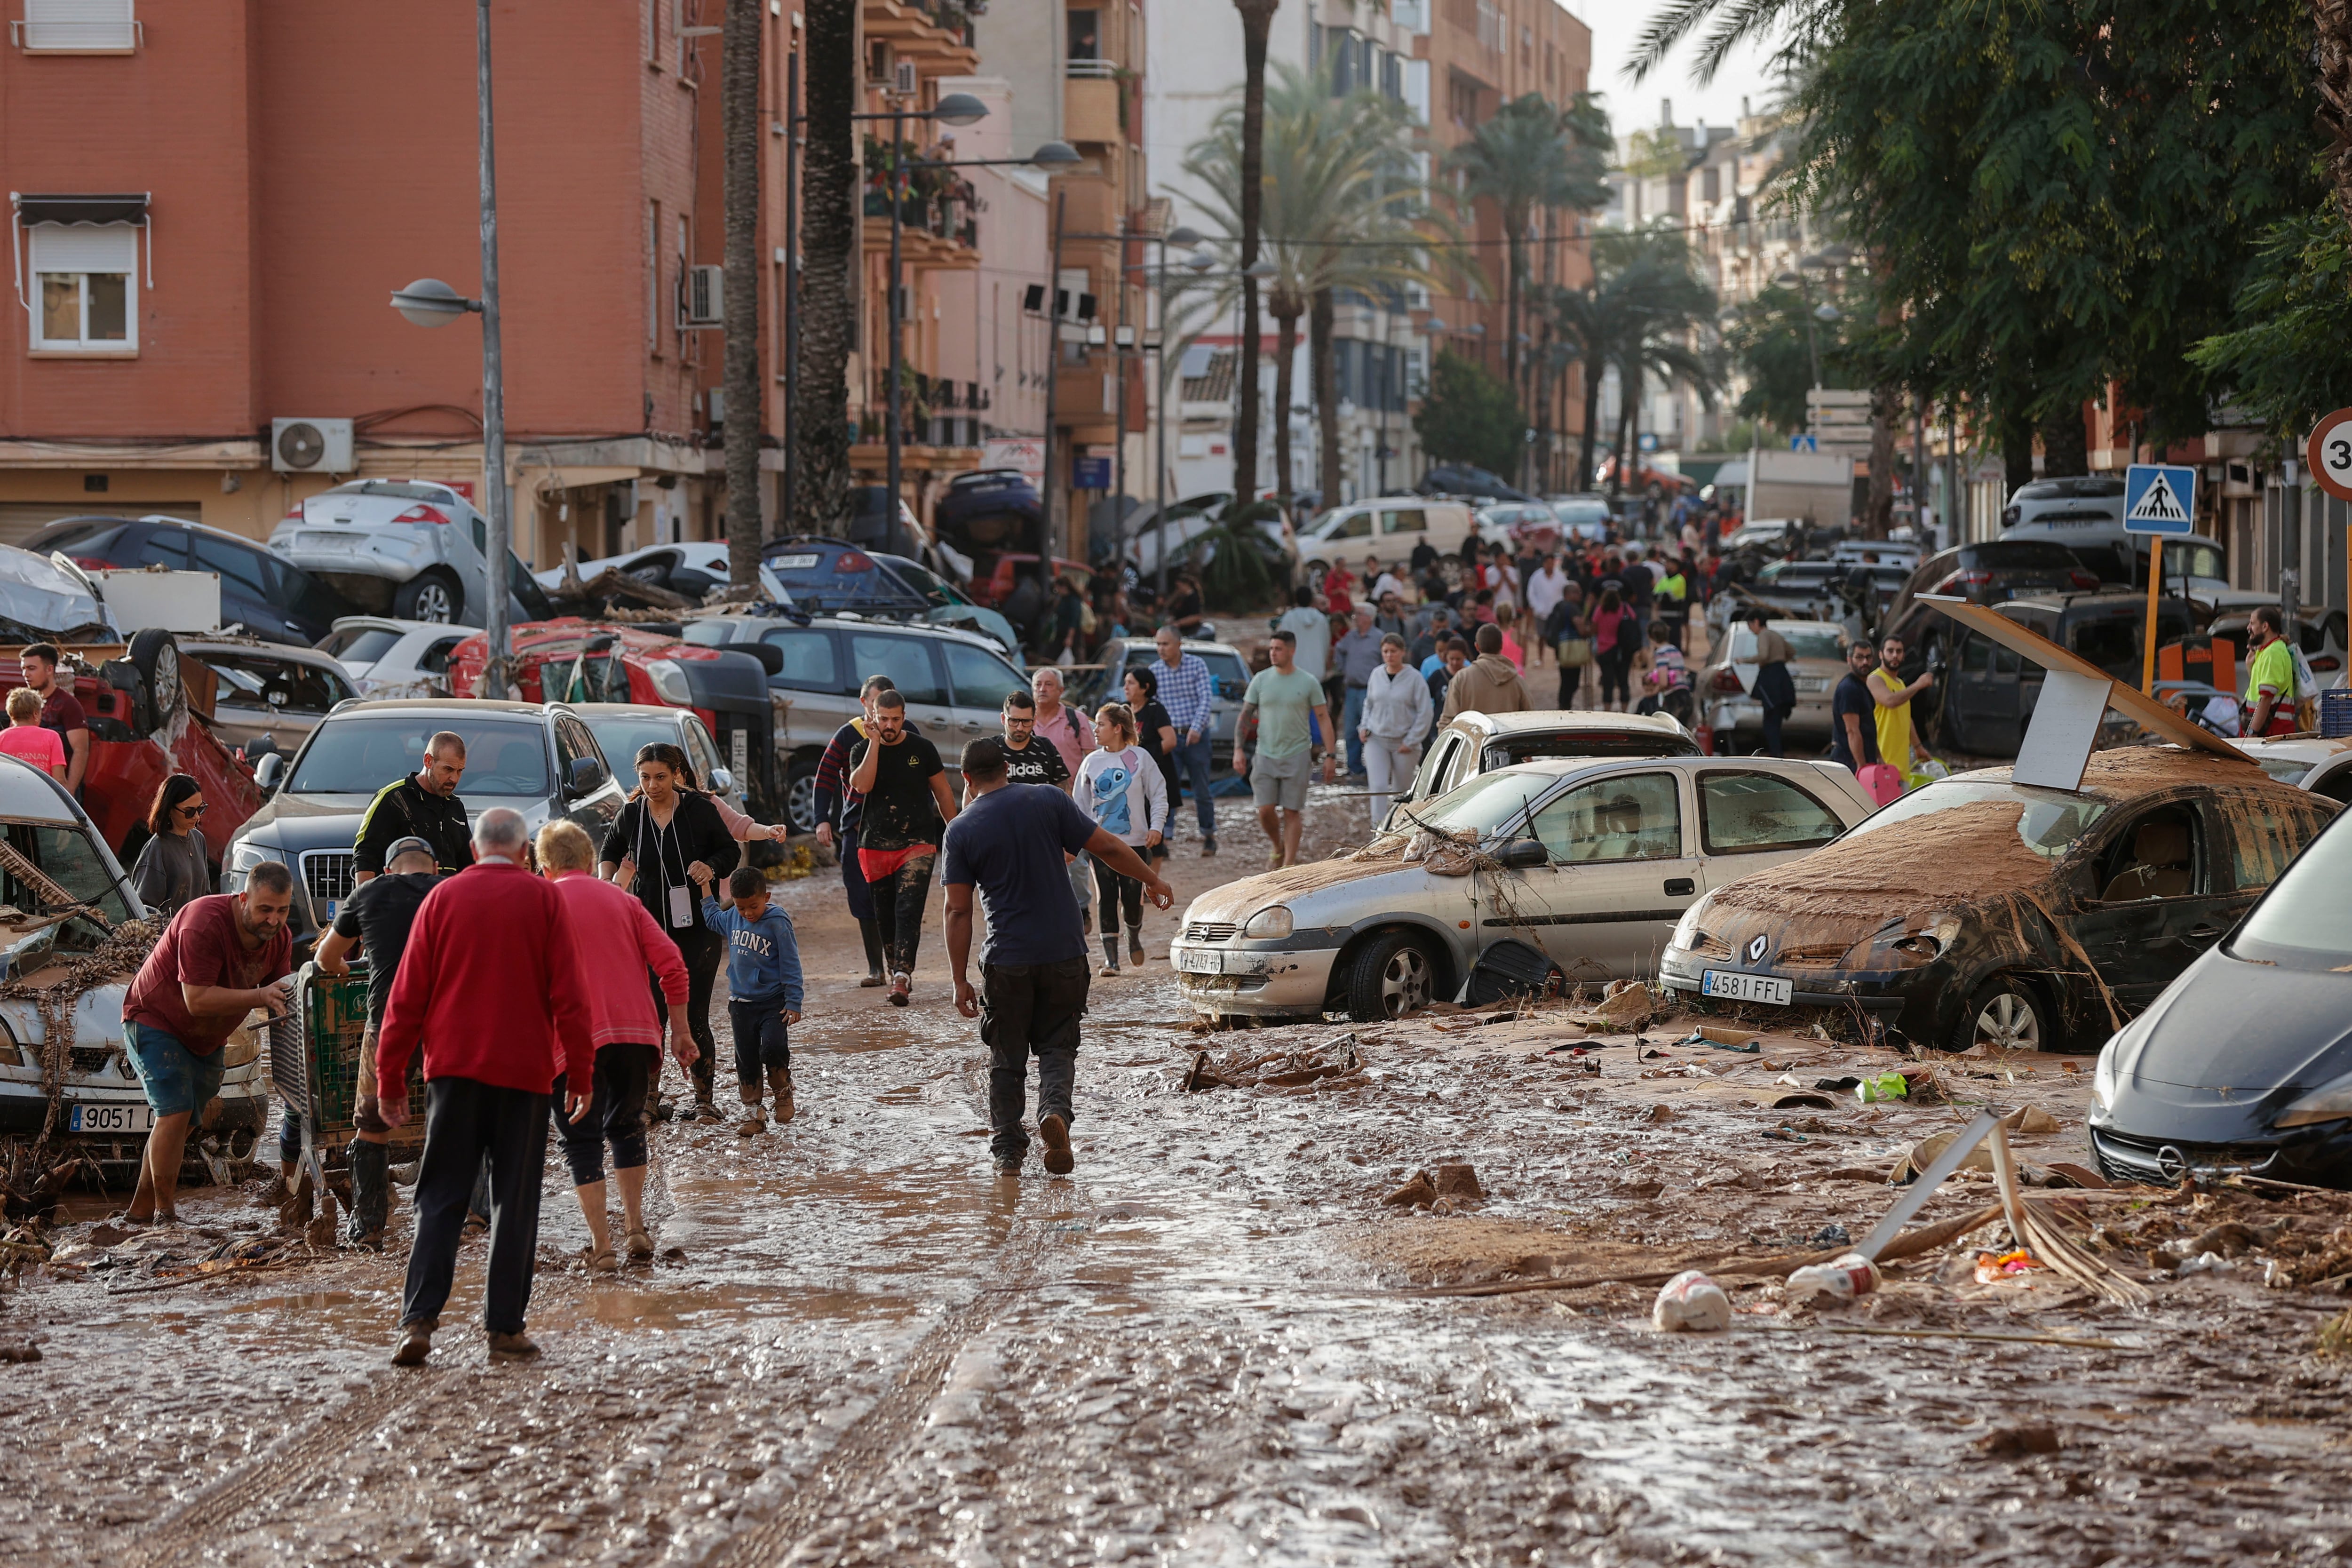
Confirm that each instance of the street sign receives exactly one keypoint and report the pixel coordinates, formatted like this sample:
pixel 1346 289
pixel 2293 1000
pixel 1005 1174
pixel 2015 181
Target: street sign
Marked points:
pixel 1804 444
pixel 2159 499
pixel 2329 454
pixel 1089 473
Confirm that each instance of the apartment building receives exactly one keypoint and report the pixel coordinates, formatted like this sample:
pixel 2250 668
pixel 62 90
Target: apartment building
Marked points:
pixel 213 253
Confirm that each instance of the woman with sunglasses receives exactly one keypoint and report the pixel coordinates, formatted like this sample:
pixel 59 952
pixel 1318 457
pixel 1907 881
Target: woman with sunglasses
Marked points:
pixel 174 867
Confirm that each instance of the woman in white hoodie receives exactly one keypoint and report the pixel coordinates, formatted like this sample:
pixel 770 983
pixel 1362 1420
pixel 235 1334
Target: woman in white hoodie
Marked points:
pixel 1396 716
pixel 1120 786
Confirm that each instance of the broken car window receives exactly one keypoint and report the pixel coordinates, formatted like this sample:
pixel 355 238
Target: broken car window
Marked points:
pixel 2049 821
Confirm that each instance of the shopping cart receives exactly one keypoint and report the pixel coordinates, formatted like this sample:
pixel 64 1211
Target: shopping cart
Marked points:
pixel 314 1061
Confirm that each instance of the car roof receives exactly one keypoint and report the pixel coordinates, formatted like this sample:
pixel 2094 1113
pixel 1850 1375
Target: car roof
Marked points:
pixel 393 624
pixel 2298 748
pixel 627 711
pixel 27 792
pixel 2092 599
pixel 1190 644
pixel 439 708
pixel 1566 767
pixel 1556 721
pixel 288 651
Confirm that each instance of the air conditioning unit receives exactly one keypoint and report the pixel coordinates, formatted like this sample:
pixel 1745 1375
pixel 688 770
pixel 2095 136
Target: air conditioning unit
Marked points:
pixel 905 82
pixel 705 296
pixel 311 446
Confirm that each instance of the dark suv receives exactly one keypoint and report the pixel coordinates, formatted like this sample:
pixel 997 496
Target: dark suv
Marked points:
pixel 1986 693
pixel 261 591
pixel 1989 573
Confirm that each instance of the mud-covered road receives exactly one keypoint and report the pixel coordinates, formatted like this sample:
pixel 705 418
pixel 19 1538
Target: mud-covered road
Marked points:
pixel 1208 1346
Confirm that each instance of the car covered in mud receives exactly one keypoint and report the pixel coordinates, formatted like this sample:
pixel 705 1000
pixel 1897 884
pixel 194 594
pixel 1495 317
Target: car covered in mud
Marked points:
pixel 1590 861
pixel 68 950
pixel 2245 1063
pixel 1982 912
pixel 2314 762
pixel 1472 744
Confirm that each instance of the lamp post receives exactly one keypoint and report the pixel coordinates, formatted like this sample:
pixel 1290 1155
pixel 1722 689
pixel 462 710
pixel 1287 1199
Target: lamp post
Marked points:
pixel 429 303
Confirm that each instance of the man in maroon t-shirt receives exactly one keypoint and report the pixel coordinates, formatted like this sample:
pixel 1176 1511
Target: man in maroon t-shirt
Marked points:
pixel 219 959
pixel 61 710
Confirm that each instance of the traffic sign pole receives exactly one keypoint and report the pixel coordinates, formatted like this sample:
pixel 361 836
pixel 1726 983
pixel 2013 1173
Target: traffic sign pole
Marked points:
pixel 2159 500
pixel 2328 455
pixel 2148 642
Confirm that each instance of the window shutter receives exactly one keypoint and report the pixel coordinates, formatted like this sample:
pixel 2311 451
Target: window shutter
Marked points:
pixel 84 248
pixel 78 25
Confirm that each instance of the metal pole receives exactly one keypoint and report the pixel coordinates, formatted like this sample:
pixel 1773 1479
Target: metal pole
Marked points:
pixel 1045 546
pixel 497 589
pixel 786 523
pixel 1119 356
pixel 897 199
pixel 1160 462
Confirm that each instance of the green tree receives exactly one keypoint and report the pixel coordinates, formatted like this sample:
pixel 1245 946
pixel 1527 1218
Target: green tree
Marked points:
pixel 1470 415
pixel 1533 156
pixel 829 240
pixel 1643 312
pixel 1768 339
pixel 2284 359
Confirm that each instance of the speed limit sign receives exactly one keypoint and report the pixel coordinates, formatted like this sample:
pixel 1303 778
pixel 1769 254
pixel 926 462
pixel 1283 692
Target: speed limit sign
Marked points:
pixel 2329 453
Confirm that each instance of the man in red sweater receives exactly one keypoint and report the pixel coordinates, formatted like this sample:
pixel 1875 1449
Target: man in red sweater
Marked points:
pixel 491 983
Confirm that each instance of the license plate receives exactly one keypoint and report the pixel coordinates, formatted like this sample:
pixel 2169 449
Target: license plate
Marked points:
pixel 1812 683
pixel 348 541
pixel 1199 960
pixel 109 1118
pixel 795 564
pixel 1731 985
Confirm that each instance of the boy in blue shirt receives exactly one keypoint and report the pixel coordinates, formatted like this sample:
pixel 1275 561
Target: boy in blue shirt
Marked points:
pixel 763 983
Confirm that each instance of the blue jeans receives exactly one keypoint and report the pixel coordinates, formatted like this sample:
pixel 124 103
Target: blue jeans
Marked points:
pixel 762 1040
pixel 1352 716
pixel 1192 764
pixel 177 1081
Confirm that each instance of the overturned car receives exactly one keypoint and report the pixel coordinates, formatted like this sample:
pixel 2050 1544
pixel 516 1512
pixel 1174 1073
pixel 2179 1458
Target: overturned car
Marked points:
pixel 1983 911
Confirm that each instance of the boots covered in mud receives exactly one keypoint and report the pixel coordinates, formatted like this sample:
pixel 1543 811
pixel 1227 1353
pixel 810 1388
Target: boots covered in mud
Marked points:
pixel 779 1084
pixel 755 1118
pixel 370 1194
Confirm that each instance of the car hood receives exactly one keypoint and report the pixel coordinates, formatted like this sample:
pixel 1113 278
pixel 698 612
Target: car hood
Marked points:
pixel 1323 892
pixel 296 822
pixel 41 597
pixel 2201 1039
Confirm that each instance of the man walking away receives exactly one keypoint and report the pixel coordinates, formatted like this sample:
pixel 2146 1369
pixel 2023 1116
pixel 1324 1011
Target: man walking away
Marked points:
pixel 906 799
pixel 1775 690
pixel 617 940
pixel 1189 693
pixel 837 813
pixel 1397 712
pixel 1288 706
pixel 1313 629
pixel 1488 684
pixel 219 959
pixel 1358 654
pixel 490 985
pixel 422 805
pixel 375 922
pixel 763 989
pixel 1033 973
pixel 61 710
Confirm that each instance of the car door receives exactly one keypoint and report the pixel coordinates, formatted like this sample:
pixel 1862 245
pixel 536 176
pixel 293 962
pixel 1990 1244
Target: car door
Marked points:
pixel 978 683
pixel 1621 873
pixel 1984 696
pixel 913 665
pixel 2162 889
pixel 1749 818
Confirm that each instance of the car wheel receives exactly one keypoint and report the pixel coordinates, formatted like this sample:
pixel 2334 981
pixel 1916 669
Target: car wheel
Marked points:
pixel 1393 976
pixel 800 797
pixel 428 596
pixel 155 654
pixel 2004 1014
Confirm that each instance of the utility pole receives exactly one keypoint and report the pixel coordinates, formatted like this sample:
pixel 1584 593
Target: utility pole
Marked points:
pixel 496 588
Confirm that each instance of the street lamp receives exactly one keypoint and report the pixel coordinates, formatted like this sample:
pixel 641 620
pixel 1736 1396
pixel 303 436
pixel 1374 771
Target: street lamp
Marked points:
pixel 429 303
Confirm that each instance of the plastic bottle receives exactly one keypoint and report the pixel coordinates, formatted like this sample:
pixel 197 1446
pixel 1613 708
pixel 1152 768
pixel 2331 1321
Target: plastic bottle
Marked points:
pixel 1830 1284
pixel 1691 1303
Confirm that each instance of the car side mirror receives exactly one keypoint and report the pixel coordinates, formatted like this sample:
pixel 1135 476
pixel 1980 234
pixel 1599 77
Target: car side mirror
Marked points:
pixel 587 776
pixel 722 781
pixel 1521 853
pixel 269 772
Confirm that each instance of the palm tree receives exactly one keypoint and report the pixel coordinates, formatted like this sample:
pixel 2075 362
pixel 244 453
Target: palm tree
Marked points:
pixel 1645 303
pixel 1257 22
pixel 829 237
pixel 739 86
pixel 1533 156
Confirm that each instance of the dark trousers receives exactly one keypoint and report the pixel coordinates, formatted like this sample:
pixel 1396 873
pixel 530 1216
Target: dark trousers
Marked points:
pixel 1773 717
pixel 898 900
pixel 760 1040
pixel 861 899
pixel 1617 669
pixel 1194 760
pixel 1111 890
pixel 624 1072
pixel 704 950
pixel 1029 1009
pixel 1572 684
pixel 464 1120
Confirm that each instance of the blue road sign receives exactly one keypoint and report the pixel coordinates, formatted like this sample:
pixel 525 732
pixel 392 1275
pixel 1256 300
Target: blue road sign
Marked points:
pixel 1804 444
pixel 2159 499
pixel 1089 473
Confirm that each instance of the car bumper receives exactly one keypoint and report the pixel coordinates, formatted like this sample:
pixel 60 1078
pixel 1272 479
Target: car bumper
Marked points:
pixel 1253 981
pixel 1882 993
pixel 2315 1156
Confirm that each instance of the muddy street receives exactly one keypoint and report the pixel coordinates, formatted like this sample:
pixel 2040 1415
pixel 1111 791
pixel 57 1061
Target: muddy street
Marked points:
pixel 1214 1343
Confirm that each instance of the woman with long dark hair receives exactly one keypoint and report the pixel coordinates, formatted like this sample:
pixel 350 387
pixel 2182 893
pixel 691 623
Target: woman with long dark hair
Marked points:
pixel 669 837
pixel 1155 733
pixel 1612 647
pixel 174 867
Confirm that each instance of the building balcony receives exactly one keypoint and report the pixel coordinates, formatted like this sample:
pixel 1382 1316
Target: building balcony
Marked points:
pixel 935 34
pixel 1093 107
pixel 933 247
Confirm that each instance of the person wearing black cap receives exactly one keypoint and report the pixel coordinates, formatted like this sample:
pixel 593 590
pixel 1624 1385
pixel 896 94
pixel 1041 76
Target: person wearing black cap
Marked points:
pixel 375 922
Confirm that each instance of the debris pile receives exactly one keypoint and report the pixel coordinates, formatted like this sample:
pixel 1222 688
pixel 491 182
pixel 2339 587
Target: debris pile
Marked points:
pixel 1336 1065
pixel 155 1258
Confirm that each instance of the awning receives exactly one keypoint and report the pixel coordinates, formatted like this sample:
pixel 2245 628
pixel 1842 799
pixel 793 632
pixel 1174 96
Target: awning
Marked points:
pixel 123 208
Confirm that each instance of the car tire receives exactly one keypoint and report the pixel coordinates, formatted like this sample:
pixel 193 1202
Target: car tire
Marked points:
pixel 1392 975
pixel 155 654
pixel 432 596
pixel 2005 1013
pixel 800 796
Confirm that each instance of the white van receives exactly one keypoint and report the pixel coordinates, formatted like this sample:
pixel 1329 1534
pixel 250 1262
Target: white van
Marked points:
pixel 1388 527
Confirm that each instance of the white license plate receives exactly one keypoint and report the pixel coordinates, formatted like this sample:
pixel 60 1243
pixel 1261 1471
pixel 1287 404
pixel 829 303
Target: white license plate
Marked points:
pixel 1199 960
pixel 795 564
pixel 346 541
pixel 1731 985
pixel 1812 683
pixel 109 1118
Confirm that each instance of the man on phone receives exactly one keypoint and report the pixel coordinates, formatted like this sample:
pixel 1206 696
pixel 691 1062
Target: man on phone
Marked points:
pixel 221 957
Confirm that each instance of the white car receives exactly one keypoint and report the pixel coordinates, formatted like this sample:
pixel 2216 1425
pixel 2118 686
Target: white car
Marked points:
pixel 407 548
pixel 692 567
pixel 1388 527
pixel 388 657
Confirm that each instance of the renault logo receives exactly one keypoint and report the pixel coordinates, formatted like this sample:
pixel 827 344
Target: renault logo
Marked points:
pixel 1755 947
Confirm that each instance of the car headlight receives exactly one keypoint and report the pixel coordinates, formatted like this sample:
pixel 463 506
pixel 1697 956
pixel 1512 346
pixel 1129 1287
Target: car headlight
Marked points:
pixel 246 855
pixel 2329 1103
pixel 1686 929
pixel 2103 1077
pixel 1273 921
pixel 669 682
pixel 244 1046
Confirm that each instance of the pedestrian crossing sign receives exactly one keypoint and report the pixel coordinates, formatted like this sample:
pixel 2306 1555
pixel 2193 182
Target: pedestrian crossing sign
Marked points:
pixel 2159 498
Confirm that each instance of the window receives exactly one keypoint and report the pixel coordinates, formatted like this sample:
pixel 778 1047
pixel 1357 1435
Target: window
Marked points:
pixel 2263 839
pixel 906 661
pixel 700 752
pixel 280 684
pixel 1413 522
pixel 1086 35
pixel 573 740
pixel 1745 814
pixel 808 658
pixel 1354 525
pixel 84 276
pixel 1635 818
pixel 164 547
pixel 238 567
pixel 359 645
pixel 78 27
pixel 980 678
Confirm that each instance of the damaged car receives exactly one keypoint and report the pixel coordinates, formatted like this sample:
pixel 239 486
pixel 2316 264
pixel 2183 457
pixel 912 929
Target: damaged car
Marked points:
pixel 2245 1063
pixel 1588 860
pixel 1982 912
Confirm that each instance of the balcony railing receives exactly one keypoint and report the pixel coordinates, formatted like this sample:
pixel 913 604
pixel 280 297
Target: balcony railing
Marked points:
pixel 1099 69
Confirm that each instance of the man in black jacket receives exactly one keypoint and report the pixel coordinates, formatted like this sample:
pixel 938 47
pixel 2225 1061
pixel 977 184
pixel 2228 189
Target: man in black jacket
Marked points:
pixel 424 805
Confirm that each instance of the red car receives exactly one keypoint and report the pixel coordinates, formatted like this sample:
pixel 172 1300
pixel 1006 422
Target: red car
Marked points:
pixel 993 577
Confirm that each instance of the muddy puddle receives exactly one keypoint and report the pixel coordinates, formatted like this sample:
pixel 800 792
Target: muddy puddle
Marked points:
pixel 1210 1346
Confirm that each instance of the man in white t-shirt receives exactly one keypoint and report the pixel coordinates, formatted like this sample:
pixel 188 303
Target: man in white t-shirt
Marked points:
pixel 1312 628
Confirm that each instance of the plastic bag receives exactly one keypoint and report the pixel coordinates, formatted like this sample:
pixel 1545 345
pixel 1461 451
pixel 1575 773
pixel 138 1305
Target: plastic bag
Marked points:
pixel 1690 1302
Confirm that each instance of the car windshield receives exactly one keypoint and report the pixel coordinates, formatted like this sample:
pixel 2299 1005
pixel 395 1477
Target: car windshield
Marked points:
pixel 67 857
pixel 257 677
pixel 1823 641
pixel 2305 921
pixel 358 644
pixel 359 754
pixel 1484 805
pixel 2049 821
pixel 618 736
pixel 2286 770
